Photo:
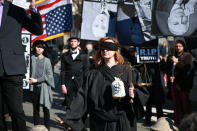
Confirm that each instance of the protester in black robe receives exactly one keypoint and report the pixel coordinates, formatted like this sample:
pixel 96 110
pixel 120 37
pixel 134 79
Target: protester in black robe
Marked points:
pixel 106 112
pixel 156 90
pixel 143 72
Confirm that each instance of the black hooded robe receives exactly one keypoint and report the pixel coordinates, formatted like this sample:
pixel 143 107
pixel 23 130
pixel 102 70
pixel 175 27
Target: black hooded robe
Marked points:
pixel 106 113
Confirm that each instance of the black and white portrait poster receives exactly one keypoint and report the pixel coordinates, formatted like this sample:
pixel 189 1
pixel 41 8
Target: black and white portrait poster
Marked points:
pixel 144 12
pixel 96 22
pixel 26 42
pixel 163 47
pixel 174 17
pixel 166 46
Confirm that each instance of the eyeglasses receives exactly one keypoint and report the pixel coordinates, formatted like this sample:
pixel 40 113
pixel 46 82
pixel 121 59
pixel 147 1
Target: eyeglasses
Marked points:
pixel 179 46
pixel 105 49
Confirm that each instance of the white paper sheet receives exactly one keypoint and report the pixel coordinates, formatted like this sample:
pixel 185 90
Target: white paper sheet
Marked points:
pixel 22 3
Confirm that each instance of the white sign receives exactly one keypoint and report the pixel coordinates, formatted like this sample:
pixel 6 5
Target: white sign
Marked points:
pixel 26 42
pixel 22 3
pixel 95 24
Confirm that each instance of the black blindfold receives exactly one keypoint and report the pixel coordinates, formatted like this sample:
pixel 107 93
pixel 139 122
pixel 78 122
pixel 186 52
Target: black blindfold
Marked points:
pixel 109 46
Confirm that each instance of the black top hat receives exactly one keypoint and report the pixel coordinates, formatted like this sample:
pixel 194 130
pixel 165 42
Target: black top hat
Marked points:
pixel 78 39
pixel 39 43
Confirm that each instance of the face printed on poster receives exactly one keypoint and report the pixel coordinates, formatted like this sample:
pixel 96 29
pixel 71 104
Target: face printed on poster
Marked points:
pixel 178 21
pixel 97 22
pixel 145 8
pixel 26 42
pixel 174 17
pixel 100 24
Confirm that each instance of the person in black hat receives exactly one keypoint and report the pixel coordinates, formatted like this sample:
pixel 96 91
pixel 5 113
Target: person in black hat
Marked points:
pixel 39 43
pixel 74 66
pixel 42 82
pixel 76 38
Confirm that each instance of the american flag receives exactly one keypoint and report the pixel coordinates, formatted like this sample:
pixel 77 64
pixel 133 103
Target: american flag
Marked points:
pixel 56 17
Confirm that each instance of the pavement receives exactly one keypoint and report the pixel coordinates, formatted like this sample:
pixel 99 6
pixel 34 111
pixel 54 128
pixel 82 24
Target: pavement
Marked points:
pixel 59 110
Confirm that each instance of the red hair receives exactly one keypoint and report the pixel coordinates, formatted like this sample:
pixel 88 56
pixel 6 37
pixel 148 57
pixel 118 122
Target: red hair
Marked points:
pixel 98 58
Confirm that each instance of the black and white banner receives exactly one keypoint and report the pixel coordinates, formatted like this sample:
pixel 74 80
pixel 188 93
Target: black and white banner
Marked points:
pixel 129 30
pixel 22 3
pixel 96 22
pixel 144 12
pixel 147 55
pixel 26 42
pixel 174 17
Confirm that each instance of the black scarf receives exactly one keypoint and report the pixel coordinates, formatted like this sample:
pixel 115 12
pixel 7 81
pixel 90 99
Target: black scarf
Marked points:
pixel 107 73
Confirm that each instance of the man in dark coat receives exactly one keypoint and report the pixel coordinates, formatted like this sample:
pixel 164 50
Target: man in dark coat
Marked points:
pixel 181 80
pixel 74 66
pixel 90 52
pixel 12 61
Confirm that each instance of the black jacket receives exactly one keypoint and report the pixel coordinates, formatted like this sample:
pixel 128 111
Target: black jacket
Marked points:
pixel 73 68
pixel 183 72
pixel 14 18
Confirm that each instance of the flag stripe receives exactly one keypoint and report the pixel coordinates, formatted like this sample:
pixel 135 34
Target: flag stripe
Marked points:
pixel 39 1
pixel 56 18
pixel 43 9
pixel 43 15
pixel 48 5
pixel 39 37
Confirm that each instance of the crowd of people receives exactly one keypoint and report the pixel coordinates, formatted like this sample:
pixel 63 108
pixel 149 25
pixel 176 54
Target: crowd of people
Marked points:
pixel 95 96
pixel 105 83
pixel 102 80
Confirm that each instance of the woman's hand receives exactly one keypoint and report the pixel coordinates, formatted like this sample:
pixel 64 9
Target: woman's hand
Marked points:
pixel 131 91
pixel 32 80
pixel 172 79
pixel 64 90
pixel 62 123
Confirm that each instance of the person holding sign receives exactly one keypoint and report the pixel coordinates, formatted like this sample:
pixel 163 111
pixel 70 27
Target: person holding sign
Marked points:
pixel 12 61
pixel 182 80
